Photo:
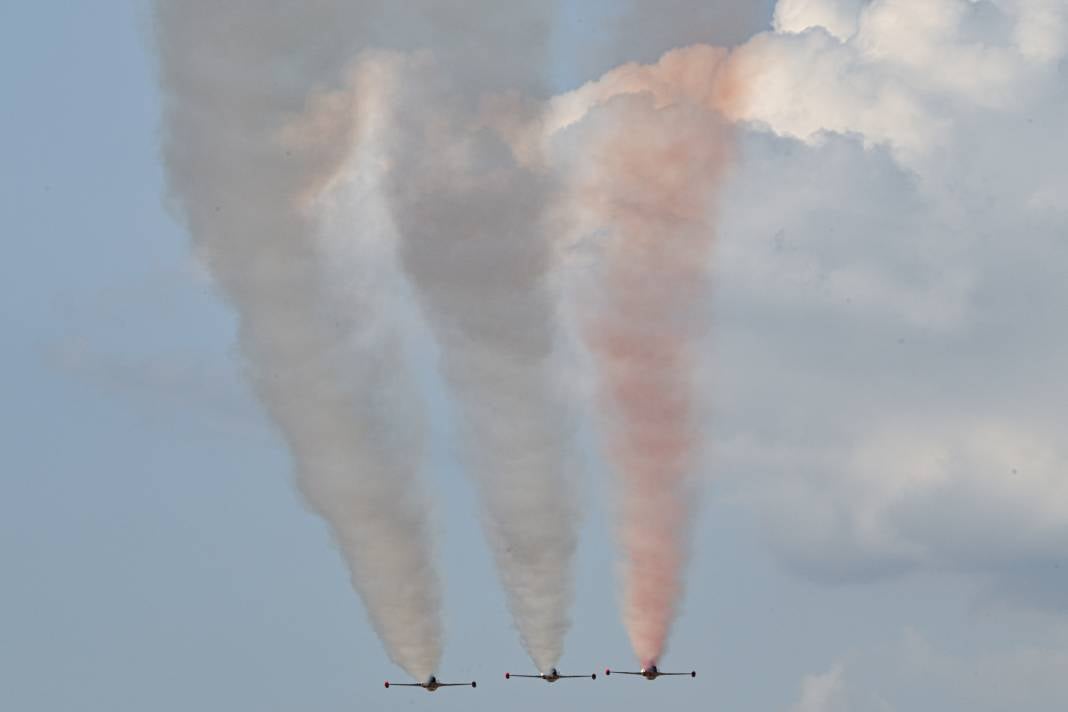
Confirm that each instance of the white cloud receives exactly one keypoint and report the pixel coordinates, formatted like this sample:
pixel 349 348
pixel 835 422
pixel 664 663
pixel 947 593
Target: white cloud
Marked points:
pixel 988 676
pixel 915 670
pixel 1041 30
pixel 897 71
pixel 886 364
pixel 843 229
pixel 829 692
pixel 935 492
pixel 823 693
pixel 838 17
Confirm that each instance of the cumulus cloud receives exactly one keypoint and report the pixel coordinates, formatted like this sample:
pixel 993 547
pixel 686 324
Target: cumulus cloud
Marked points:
pixel 900 72
pixel 915 670
pixel 1028 676
pixel 918 670
pixel 837 17
pixel 823 693
pixel 885 373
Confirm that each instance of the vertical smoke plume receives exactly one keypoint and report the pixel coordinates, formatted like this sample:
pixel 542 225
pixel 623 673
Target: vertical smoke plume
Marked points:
pixel 471 221
pixel 290 201
pixel 655 153
pixel 241 165
pixel 468 221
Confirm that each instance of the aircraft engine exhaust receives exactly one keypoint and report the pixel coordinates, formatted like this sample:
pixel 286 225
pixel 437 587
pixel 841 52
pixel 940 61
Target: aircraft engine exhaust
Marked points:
pixel 471 220
pixel 350 170
pixel 253 182
pixel 654 150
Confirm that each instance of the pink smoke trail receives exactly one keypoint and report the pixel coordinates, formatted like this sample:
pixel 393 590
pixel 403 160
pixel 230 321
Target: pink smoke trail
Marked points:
pixel 660 152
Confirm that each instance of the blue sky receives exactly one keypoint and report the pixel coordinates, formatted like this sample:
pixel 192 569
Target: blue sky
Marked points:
pixel 157 555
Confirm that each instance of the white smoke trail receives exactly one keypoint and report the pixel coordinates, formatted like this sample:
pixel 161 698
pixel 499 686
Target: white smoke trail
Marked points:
pixel 236 77
pixel 471 221
pixel 240 78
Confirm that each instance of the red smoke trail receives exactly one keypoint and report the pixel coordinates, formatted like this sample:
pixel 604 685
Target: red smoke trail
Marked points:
pixel 659 164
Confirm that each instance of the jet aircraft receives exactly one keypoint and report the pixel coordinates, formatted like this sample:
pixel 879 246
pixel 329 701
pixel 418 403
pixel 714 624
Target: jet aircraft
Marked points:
pixel 651 673
pixel 551 676
pixel 430 685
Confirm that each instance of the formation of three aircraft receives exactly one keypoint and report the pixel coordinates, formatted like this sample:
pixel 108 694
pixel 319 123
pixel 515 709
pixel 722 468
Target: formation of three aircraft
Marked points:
pixel 432 685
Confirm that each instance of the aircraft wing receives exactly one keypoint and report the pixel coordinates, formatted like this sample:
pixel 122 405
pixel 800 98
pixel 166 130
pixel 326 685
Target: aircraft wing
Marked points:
pixel 620 672
pixel 457 684
pixel 509 676
pixel 575 677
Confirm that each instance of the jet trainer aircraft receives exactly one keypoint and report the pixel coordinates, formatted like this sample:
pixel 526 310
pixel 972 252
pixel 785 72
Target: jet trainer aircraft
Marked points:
pixel 551 676
pixel 651 673
pixel 430 685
